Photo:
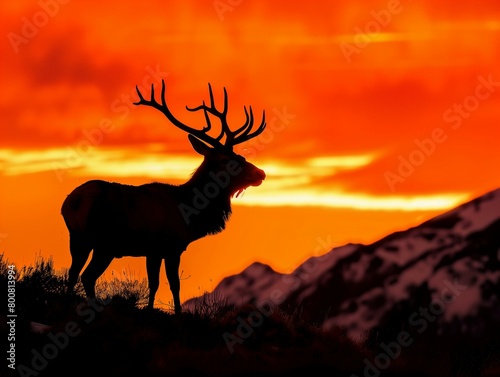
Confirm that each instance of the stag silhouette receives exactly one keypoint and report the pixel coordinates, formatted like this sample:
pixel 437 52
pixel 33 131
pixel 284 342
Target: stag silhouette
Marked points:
pixel 159 220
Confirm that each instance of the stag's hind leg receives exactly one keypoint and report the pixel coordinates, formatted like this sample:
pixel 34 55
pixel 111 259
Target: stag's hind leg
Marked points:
pixel 153 265
pixel 94 270
pixel 80 251
pixel 172 269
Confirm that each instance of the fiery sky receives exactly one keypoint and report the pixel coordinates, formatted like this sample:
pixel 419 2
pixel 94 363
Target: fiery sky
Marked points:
pixel 380 114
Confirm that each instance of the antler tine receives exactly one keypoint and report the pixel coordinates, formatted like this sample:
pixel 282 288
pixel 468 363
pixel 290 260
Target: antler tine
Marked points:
pixel 242 133
pixel 163 108
pixel 222 115
pixel 246 135
pixel 207 119
pixel 248 122
pixel 247 127
pixel 225 130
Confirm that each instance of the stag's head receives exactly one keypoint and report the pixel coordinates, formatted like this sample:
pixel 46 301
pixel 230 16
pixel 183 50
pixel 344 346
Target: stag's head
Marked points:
pixel 226 168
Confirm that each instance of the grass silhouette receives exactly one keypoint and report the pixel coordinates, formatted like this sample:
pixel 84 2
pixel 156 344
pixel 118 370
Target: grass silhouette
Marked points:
pixel 120 336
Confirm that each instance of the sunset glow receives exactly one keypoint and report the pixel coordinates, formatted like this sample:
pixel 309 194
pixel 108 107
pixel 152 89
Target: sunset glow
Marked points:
pixel 361 202
pixel 379 115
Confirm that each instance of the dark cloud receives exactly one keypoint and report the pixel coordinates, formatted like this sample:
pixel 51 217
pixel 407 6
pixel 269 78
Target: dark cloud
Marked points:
pixel 67 58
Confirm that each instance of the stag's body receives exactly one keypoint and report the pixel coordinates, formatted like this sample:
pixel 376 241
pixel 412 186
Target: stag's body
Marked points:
pixel 156 220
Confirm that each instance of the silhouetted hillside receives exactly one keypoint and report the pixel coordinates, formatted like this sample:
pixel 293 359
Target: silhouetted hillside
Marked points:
pixel 62 335
pixel 58 334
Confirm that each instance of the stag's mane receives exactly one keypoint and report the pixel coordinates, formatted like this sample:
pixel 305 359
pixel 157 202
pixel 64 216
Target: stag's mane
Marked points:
pixel 212 218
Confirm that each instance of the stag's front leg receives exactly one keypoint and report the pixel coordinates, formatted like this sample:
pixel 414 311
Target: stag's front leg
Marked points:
pixel 153 265
pixel 172 269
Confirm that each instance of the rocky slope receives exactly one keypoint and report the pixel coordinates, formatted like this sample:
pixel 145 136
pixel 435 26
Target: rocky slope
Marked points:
pixel 444 273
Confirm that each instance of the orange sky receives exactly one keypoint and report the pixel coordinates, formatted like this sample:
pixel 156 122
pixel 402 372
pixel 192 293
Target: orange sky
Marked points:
pixel 380 115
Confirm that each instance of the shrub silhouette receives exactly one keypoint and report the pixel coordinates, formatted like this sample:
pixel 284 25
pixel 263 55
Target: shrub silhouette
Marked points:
pixel 41 291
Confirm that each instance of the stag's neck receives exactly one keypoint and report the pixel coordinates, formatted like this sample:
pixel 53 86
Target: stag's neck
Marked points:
pixel 205 213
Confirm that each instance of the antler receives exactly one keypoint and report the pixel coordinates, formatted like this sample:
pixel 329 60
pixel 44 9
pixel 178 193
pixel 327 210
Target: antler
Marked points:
pixel 238 136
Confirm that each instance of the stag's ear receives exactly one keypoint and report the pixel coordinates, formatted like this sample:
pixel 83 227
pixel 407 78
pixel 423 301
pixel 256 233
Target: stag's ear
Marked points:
pixel 198 145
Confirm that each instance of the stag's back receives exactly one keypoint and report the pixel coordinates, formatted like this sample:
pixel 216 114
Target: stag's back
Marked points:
pixel 124 215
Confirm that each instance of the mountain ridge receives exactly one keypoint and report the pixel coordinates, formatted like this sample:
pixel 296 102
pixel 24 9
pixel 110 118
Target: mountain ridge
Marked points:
pixel 363 288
